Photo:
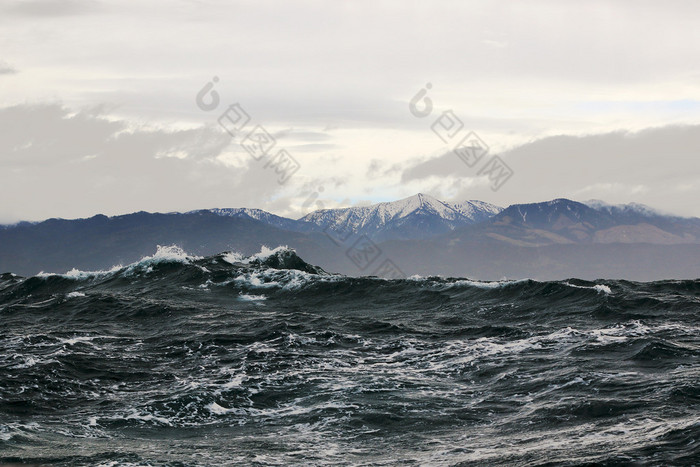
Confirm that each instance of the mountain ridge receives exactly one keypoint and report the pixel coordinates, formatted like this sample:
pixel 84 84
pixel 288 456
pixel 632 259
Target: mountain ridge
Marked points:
pixel 416 215
pixel 565 221
pixel 561 237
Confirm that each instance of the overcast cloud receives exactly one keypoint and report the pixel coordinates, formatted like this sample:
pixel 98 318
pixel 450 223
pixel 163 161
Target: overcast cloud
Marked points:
pixel 585 100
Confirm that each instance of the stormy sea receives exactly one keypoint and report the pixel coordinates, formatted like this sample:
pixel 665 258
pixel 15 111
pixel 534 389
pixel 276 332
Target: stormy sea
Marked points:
pixel 266 360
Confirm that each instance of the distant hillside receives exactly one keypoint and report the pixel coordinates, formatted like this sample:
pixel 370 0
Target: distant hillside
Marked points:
pixel 418 235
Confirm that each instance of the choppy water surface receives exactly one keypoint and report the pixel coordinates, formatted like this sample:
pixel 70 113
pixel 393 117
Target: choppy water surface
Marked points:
pixel 262 361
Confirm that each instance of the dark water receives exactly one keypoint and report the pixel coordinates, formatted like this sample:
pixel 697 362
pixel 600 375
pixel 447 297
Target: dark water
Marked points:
pixel 182 361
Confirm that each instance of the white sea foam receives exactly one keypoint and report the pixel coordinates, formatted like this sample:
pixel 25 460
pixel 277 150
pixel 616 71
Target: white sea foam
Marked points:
pixel 75 295
pixel 467 282
pixel 266 252
pixel 261 347
pixel 163 254
pixel 77 339
pixel 598 287
pixel 120 464
pixel 28 362
pixel 219 410
pixel 490 284
pixel 252 298
pixel 288 279
pixel 233 257
pixel 84 340
pixel 135 415
pixel 236 382
pixel 619 332
pixel 77 274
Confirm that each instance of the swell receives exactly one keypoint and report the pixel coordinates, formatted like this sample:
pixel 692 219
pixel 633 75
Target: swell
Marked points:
pixel 281 269
pixel 268 360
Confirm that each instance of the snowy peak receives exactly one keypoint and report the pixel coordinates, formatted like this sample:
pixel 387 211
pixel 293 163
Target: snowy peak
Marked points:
pixel 407 206
pixel 418 216
pixel 476 210
pixel 258 214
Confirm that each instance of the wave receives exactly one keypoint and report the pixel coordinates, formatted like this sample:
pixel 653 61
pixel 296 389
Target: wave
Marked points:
pixel 266 355
pixel 163 254
pixel 277 272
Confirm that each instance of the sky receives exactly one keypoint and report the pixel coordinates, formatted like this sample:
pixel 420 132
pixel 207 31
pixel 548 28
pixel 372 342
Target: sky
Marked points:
pixel 120 106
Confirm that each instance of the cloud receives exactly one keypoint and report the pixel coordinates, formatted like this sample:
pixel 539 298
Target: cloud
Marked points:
pixel 302 135
pixel 6 69
pixel 647 166
pixel 56 162
pixel 50 8
pixel 342 77
pixel 446 165
pixel 527 71
pixel 610 189
pixel 311 147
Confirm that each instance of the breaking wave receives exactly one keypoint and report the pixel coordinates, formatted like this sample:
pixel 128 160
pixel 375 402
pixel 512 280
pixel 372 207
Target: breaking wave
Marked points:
pixel 268 360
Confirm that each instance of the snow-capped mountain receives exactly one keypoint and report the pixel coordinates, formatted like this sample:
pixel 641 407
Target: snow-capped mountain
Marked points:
pixel 421 235
pixel 262 216
pixel 418 216
pixel 422 216
pixel 476 210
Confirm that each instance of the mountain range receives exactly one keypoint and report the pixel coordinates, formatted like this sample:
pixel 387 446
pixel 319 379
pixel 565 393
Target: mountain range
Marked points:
pixel 418 216
pixel 416 235
pixel 562 221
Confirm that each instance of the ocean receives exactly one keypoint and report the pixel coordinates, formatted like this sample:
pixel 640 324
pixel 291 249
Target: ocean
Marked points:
pixel 224 360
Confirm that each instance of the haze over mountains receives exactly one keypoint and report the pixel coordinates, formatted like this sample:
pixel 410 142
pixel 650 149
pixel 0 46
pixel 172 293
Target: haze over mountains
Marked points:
pixel 417 235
